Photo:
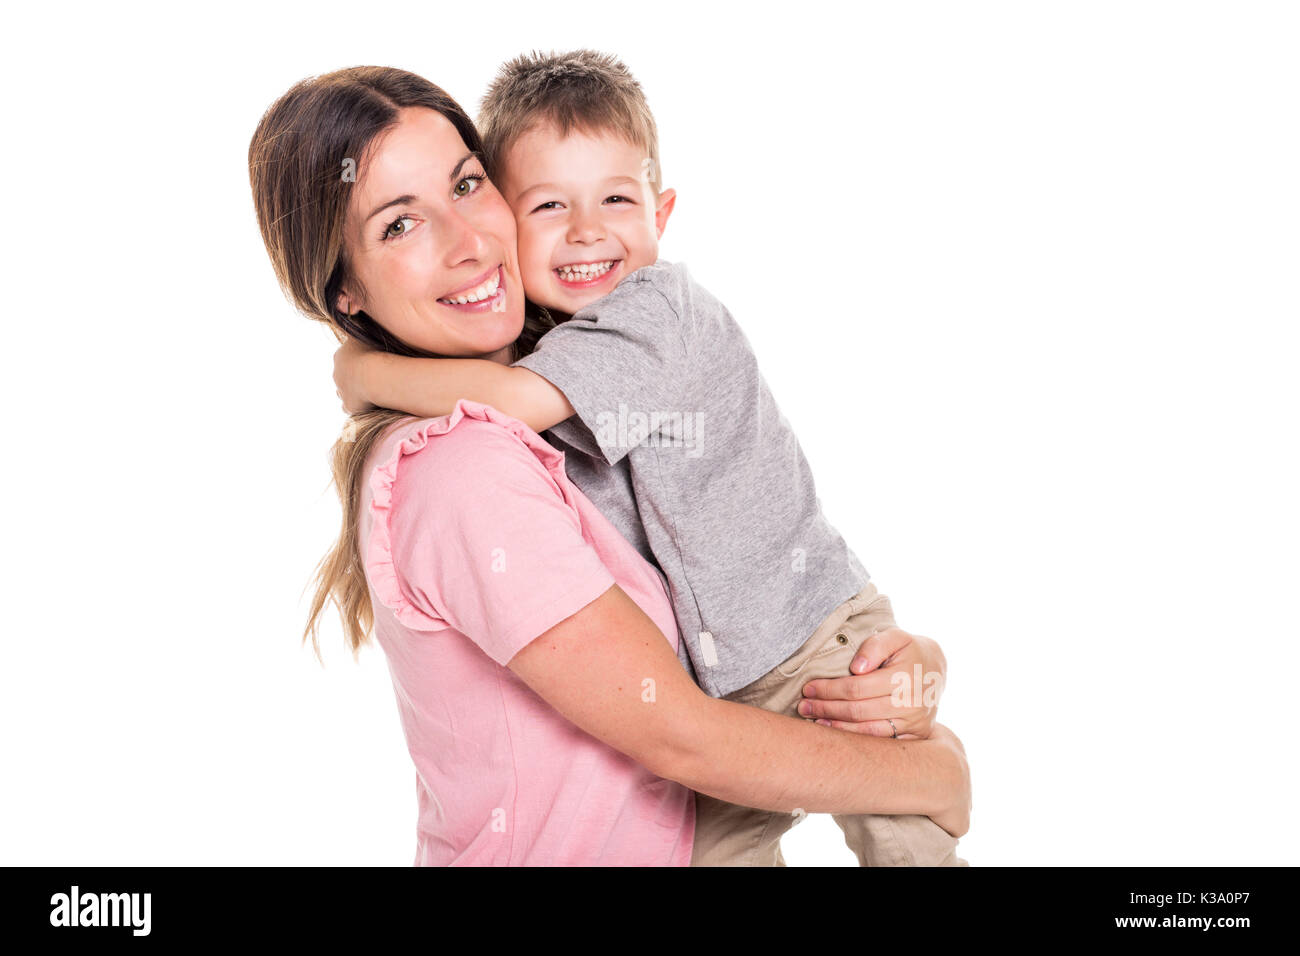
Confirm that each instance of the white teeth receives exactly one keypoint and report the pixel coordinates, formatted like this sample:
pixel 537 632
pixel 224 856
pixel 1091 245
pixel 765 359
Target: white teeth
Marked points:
pixel 585 270
pixel 485 291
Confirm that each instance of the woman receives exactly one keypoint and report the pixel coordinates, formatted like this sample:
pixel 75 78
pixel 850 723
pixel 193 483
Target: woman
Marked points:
pixel 531 647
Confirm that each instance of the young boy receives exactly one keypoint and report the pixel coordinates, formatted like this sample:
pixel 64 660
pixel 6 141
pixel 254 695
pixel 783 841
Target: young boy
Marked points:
pixel 652 391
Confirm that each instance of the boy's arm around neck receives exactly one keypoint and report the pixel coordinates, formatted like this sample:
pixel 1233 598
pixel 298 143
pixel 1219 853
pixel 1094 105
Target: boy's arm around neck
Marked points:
pixel 430 387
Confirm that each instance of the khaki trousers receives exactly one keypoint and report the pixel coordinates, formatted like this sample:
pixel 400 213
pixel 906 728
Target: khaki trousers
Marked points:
pixel 731 835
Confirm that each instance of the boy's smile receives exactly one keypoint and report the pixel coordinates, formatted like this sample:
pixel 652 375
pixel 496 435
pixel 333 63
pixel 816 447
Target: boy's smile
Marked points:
pixel 585 275
pixel 586 215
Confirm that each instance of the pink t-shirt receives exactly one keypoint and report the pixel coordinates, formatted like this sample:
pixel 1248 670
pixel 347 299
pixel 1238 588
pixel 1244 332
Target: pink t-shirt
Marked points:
pixel 475 543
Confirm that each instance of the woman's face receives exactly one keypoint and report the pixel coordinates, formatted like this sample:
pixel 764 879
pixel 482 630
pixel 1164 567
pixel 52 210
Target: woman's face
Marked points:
pixel 425 232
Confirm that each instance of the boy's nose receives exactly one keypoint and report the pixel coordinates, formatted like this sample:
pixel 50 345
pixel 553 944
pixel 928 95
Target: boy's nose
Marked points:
pixel 584 228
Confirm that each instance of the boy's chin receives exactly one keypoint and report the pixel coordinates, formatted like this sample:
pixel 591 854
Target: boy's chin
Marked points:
pixel 564 302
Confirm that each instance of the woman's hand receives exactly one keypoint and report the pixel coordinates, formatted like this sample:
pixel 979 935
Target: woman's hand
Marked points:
pixel 955 818
pixel 348 379
pixel 899 678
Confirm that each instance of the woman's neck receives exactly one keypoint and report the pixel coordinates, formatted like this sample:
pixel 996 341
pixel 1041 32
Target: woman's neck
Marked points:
pixel 501 356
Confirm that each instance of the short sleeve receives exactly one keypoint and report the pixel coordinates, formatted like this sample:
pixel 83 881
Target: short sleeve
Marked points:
pixel 623 362
pixel 479 531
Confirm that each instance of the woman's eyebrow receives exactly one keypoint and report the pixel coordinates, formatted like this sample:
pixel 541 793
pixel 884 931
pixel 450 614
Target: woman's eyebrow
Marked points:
pixel 402 200
pixel 399 201
pixel 463 160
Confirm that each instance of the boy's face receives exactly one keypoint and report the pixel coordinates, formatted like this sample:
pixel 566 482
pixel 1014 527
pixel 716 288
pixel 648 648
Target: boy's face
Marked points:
pixel 586 213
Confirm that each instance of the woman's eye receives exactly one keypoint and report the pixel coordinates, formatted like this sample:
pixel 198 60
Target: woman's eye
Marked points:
pixel 467 185
pixel 398 227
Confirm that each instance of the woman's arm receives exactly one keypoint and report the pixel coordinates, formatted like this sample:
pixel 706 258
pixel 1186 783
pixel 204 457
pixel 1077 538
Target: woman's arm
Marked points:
pixel 609 670
pixel 456 498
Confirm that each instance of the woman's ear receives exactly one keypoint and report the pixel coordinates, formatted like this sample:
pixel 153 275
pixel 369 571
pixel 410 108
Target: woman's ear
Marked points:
pixel 664 209
pixel 344 303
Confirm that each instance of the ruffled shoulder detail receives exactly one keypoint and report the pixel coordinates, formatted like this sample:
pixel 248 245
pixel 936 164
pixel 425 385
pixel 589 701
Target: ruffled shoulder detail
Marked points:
pixel 411 437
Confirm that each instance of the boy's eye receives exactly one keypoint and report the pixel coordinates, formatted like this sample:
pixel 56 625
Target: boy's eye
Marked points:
pixel 617 199
pixel 547 206
pixel 398 227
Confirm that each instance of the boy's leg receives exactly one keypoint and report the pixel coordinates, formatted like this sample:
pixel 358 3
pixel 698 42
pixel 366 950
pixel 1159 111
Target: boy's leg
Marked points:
pixel 727 835
pixel 880 840
pixel 730 835
pixel 876 839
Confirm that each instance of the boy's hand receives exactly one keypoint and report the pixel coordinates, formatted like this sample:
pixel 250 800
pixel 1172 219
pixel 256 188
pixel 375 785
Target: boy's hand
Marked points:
pixel 867 703
pixel 348 378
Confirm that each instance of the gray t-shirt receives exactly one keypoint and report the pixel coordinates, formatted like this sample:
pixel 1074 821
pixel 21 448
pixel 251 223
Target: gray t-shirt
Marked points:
pixel 679 442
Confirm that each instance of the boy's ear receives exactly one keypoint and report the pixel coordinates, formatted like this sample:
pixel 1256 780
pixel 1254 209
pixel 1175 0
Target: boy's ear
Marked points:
pixel 664 209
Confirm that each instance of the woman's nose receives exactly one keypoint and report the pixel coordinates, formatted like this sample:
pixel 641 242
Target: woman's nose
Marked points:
pixel 465 241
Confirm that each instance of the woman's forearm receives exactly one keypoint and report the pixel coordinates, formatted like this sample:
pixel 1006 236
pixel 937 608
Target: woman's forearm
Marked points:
pixel 759 759
pixel 610 671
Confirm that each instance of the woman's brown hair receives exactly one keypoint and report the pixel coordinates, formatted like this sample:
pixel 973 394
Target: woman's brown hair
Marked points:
pixel 302 162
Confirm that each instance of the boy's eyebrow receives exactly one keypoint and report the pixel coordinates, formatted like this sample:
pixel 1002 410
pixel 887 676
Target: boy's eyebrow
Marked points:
pixel 612 181
pixel 535 187
pixel 402 200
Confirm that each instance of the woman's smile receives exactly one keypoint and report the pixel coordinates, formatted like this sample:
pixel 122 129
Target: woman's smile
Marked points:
pixel 484 293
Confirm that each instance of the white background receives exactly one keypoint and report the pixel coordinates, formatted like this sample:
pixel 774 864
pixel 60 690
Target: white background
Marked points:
pixel 1023 277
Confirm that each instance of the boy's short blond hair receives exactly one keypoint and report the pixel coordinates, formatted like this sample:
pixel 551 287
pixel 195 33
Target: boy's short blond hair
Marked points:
pixel 583 90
